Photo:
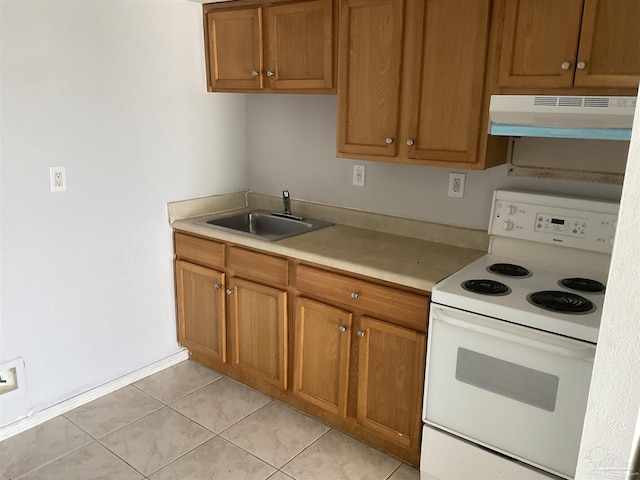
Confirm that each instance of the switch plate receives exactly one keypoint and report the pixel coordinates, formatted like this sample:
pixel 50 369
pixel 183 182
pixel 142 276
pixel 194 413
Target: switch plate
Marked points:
pixel 456 184
pixel 358 175
pixel 58 178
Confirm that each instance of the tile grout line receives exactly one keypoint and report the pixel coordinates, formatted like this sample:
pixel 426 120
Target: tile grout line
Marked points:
pixel 185 453
pixel 305 449
pixel 182 396
pixel 55 459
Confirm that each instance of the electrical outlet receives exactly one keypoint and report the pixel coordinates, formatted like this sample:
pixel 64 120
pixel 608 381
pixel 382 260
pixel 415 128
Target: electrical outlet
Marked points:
pixel 12 378
pixel 358 175
pixel 456 184
pixel 58 178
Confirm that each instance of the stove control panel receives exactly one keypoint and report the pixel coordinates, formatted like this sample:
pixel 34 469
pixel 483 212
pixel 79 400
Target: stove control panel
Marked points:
pixel 561 225
pixel 566 221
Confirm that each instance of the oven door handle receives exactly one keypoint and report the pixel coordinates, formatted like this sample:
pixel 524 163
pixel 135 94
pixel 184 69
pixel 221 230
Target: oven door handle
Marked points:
pixel 555 344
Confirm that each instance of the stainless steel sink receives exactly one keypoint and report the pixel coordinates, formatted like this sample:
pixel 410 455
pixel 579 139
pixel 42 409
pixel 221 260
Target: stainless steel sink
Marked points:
pixel 264 225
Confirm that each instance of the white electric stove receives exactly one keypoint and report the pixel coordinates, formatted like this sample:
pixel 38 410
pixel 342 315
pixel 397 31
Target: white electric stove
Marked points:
pixel 512 340
pixel 505 288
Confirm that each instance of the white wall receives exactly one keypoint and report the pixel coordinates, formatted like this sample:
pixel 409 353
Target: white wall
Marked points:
pixel 292 144
pixel 612 412
pixel 114 91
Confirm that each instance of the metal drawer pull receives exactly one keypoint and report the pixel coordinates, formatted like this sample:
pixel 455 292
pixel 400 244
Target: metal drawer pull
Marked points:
pixel 270 73
pixel 217 286
pixel 355 295
pixel 581 65
pixel 389 140
pixel 342 329
pixel 254 73
pixel 361 333
pixel 229 291
pixel 410 142
pixel 565 65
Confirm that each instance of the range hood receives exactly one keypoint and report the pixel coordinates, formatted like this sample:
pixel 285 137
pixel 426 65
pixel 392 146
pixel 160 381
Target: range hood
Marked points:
pixel 605 118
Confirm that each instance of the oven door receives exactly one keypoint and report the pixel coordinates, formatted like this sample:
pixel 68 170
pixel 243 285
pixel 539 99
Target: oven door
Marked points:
pixel 516 390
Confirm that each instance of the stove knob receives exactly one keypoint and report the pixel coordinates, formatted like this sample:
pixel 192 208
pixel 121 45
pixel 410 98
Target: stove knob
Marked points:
pixel 511 209
pixel 507 225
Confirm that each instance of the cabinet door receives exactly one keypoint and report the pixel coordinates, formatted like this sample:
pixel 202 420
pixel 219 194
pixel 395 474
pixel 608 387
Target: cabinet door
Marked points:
pixel 234 49
pixel 370 55
pixel 390 380
pixel 201 312
pixel 609 44
pixel 321 362
pixel 258 317
pixel 540 43
pixel 300 45
pixel 445 122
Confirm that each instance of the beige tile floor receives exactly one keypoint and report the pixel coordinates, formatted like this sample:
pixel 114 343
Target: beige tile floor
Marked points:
pixel 191 423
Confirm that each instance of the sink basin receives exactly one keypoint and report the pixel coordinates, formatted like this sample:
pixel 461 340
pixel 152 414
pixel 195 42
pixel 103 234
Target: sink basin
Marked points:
pixel 264 225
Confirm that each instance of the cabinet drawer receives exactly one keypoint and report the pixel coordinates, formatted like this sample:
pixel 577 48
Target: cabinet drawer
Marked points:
pixel 402 308
pixel 200 250
pixel 258 266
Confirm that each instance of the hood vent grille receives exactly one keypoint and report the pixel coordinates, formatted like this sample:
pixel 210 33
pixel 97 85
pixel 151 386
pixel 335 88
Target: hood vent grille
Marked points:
pixel 597 117
pixel 549 101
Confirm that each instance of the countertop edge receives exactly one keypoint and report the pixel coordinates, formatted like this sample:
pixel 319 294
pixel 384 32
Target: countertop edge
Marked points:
pixel 338 247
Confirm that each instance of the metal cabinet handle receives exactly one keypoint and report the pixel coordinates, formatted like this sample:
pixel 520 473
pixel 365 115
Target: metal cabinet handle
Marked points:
pixel 361 333
pixel 355 295
pixel 410 142
pixel 270 73
pixel 581 65
pixel 565 65
pixel 217 286
pixel 342 329
pixel 254 73
pixel 389 140
pixel 229 291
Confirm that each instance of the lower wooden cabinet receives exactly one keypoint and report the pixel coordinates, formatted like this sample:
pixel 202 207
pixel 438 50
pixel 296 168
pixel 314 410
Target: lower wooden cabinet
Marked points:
pixel 201 311
pixel 321 358
pixel 390 379
pixel 258 319
pixel 369 371
pixel 342 348
pixel 389 369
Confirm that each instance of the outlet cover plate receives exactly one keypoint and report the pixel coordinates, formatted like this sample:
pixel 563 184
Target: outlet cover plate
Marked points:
pixel 456 184
pixel 358 175
pixel 58 177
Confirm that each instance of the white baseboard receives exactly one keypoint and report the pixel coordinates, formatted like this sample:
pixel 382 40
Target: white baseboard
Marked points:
pixel 93 394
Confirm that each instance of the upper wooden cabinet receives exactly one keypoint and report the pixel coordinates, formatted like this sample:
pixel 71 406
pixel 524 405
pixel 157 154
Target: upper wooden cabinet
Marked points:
pixel 370 57
pixel 570 44
pixel 447 89
pixel 412 84
pixel 285 47
pixel 234 49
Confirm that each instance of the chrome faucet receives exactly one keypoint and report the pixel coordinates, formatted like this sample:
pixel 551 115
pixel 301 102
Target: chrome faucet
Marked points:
pixel 286 213
pixel 286 201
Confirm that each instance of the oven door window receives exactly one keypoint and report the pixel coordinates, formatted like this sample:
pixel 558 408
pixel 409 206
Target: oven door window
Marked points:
pixel 523 384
